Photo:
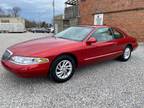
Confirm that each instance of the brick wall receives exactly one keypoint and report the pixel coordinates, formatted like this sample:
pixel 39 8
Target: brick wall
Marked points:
pixel 126 14
pixel 132 22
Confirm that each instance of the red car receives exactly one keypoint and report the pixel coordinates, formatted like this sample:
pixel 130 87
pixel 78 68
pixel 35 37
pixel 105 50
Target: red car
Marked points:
pixel 58 56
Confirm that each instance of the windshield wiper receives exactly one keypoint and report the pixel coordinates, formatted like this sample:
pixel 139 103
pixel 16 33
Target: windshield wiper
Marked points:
pixel 62 37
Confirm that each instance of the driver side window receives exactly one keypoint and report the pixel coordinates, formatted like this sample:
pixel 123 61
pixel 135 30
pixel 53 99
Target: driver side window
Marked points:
pixel 103 34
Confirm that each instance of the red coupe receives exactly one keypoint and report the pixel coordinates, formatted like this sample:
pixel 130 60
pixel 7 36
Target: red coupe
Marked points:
pixel 59 55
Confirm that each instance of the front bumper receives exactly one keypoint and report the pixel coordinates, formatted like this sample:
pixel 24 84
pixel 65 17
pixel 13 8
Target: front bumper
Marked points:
pixel 27 71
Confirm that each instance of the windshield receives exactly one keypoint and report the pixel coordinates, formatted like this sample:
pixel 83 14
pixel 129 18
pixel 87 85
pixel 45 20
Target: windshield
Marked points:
pixel 75 33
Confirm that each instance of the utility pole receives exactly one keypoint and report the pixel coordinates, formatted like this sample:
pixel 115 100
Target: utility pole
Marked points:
pixel 77 3
pixel 54 15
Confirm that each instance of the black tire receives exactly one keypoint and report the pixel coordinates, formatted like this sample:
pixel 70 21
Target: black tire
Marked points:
pixel 122 57
pixel 53 74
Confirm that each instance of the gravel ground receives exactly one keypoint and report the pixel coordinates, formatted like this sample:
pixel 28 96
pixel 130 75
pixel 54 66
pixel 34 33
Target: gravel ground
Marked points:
pixel 110 84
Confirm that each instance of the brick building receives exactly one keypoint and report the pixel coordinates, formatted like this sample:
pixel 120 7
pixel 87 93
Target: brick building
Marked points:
pixel 70 17
pixel 126 14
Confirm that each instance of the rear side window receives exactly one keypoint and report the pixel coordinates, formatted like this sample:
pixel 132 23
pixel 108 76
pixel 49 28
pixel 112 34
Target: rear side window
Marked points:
pixel 103 34
pixel 117 34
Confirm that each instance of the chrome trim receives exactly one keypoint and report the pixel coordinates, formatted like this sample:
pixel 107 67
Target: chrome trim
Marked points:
pixel 64 69
pixel 103 55
pixel 127 53
pixel 9 52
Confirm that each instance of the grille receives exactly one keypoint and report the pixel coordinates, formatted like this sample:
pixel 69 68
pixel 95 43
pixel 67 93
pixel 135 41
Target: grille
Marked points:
pixel 7 55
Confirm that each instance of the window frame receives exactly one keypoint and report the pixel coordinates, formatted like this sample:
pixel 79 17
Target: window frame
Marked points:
pixel 115 29
pixel 109 28
pixel 5 21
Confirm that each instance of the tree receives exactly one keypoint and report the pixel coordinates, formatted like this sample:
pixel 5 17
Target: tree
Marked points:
pixel 15 11
pixel 44 24
pixel 9 12
pixel 30 24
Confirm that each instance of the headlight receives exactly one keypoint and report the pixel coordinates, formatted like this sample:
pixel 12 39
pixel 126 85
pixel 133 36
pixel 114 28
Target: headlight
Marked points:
pixel 28 60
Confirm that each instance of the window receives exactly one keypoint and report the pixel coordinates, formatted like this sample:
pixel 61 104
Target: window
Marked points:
pixel 5 21
pixel 83 0
pixel 103 34
pixel 75 33
pixel 98 19
pixel 117 34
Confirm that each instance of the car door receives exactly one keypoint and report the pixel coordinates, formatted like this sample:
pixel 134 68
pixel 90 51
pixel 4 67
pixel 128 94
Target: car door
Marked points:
pixel 103 49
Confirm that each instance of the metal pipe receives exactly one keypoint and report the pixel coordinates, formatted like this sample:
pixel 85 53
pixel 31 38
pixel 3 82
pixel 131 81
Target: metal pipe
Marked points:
pixel 54 15
pixel 78 6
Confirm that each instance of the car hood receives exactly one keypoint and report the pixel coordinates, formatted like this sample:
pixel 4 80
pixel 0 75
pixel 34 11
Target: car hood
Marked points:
pixel 37 46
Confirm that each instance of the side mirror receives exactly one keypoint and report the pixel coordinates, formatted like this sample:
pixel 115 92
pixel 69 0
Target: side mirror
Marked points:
pixel 91 40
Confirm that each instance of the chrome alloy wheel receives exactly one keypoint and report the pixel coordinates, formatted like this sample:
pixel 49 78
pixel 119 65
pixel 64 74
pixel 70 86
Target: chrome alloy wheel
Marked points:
pixel 64 69
pixel 127 53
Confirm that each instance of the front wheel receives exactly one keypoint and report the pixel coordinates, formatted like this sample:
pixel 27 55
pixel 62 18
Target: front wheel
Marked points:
pixel 62 68
pixel 126 54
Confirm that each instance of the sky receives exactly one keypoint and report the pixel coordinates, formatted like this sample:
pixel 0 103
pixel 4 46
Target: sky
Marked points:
pixel 37 10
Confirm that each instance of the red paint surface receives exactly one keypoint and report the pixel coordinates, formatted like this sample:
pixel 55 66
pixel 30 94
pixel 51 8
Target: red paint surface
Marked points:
pixel 52 47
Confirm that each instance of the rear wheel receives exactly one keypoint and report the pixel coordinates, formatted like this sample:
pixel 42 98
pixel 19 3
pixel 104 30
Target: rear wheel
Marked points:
pixel 62 68
pixel 126 54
